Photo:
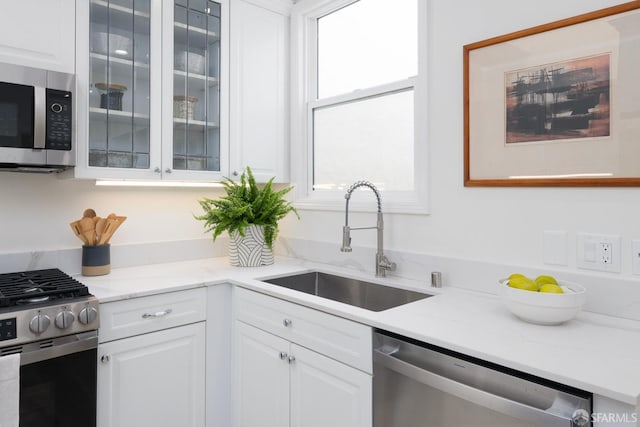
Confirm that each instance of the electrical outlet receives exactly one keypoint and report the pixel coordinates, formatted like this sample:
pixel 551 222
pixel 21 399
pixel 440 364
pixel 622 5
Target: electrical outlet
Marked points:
pixel 598 252
pixel 604 252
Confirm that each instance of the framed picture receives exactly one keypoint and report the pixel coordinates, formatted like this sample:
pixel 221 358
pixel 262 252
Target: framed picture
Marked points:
pixel 557 104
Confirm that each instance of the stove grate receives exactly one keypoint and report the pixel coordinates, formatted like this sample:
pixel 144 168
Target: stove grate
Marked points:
pixel 37 286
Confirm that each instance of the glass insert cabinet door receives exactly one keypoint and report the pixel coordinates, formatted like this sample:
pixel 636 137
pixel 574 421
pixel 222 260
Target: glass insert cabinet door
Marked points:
pixel 196 86
pixel 154 87
pixel 119 84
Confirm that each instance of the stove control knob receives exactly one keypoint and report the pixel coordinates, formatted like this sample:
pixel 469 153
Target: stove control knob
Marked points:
pixel 39 323
pixel 87 315
pixel 64 319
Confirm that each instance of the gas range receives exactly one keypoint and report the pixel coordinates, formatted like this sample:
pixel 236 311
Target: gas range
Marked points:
pixel 43 304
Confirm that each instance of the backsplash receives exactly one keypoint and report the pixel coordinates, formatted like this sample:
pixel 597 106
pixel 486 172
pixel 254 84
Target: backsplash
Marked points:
pixel 122 256
pixel 608 295
pixel 612 296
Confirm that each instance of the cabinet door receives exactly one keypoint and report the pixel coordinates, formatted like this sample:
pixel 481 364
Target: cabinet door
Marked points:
pixel 261 378
pixel 193 39
pixel 153 380
pixel 118 88
pixel 259 117
pixel 38 33
pixel 325 392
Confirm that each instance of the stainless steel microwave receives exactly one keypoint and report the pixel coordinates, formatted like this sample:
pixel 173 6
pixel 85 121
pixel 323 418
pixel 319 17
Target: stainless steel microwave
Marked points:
pixel 36 120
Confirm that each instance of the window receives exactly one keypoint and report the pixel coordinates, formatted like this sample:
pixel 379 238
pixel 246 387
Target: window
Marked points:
pixel 359 108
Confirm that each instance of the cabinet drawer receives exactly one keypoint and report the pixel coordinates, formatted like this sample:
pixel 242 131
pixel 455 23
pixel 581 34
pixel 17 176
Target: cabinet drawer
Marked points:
pixel 135 316
pixel 341 339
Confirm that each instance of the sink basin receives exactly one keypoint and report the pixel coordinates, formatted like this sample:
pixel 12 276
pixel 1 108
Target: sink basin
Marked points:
pixel 355 292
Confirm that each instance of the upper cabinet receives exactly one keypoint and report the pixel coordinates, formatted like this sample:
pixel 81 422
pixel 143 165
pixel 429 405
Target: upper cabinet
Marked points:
pixel 150 85
pixel 40 34
pixel 194 54
pixel 188 90
pixel 259 118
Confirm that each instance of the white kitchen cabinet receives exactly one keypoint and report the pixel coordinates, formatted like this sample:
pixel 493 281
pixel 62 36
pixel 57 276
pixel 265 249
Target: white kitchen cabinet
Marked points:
pixel 325 392
pixel 151 361
pixel 39 34
pixel 281 382
pixel 152 88
pixel 259 63
pixel 262 378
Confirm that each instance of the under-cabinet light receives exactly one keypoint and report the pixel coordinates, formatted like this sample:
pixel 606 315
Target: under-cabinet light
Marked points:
pixel 121 52
pixel 569 175
pixel 131 183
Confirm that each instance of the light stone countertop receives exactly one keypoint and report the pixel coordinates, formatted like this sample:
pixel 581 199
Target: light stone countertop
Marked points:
pixel 592 352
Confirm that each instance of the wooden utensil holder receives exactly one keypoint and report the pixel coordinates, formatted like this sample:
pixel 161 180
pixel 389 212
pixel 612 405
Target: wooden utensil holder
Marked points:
pixel 96 260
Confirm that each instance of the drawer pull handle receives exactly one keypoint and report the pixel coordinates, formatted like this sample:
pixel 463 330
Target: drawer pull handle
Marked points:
pixel 283 355
pixel 287 322
pixel 156 314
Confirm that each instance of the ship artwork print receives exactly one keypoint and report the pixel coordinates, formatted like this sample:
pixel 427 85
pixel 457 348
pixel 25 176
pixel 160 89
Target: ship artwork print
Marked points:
pixel 558 101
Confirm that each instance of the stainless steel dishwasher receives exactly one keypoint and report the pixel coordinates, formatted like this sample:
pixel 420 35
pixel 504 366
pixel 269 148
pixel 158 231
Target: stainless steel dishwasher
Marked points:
pixel 419 385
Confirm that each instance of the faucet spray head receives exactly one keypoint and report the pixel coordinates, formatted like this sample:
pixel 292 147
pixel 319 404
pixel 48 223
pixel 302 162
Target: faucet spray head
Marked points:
pixel 346 239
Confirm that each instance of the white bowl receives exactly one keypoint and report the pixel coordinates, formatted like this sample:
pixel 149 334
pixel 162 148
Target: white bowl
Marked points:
pixel 544 308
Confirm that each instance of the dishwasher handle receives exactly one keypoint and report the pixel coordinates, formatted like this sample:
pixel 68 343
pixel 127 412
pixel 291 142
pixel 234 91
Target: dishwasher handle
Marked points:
pixel 483 398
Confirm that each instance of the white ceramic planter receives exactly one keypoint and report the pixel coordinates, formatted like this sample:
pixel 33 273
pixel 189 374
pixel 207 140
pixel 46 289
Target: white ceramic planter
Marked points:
pixel 251 250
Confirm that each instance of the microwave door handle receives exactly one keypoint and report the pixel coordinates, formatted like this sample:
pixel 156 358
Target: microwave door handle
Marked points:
pixel 472 394
pixel 39 118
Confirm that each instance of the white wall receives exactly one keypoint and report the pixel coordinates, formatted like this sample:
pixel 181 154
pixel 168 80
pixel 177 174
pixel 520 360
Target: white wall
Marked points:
pixel 502 225
pixel 485 224
pixel 35 212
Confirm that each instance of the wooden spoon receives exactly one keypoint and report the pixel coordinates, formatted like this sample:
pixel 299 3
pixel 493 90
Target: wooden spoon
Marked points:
pixel 87 227
pixel 100 225
pixel 89 213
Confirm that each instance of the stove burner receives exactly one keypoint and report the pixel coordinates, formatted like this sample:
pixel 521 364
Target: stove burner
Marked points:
pixel 33 300
pixel 32 287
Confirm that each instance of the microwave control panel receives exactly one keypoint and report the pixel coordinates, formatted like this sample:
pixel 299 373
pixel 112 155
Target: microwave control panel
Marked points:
pixel 58 120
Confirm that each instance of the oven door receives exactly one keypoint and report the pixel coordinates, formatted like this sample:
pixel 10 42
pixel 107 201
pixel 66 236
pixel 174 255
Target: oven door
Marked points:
pixel 58 382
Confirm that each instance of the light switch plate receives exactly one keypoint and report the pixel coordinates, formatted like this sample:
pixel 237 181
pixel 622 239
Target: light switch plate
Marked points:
pixel 635 256
pixel 598 252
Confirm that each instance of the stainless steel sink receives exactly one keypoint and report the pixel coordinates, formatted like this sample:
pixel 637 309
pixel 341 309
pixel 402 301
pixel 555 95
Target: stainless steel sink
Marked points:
pixel 355 292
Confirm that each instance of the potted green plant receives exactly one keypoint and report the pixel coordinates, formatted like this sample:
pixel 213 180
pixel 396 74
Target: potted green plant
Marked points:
pixel 250 214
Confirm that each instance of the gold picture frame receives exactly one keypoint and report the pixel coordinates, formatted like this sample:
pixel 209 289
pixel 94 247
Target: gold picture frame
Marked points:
pixel 557 104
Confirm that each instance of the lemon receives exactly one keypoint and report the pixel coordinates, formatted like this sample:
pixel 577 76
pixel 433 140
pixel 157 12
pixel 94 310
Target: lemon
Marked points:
pixel 516 275
pixel 544 280
pixel 551 288
pixel 523 283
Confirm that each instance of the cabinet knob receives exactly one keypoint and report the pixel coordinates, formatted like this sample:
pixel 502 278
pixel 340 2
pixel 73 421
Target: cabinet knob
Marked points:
pixel 157 170
pixel 167 170
pixel 283 355
pixel 234 173
pixel 287 322
pixel 105 358
pixel 291 359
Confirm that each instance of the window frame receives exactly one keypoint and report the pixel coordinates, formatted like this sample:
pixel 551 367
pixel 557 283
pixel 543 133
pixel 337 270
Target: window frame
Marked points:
pixel 304 100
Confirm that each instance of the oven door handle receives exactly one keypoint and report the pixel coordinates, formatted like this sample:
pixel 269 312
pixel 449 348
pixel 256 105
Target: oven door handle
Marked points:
pixel 481 397
pixel 60 347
